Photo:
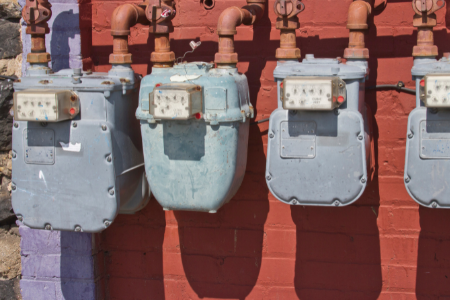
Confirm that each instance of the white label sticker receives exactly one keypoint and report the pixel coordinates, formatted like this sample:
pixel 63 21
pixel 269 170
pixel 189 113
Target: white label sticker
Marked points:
pixel 71 147
pixel 183 78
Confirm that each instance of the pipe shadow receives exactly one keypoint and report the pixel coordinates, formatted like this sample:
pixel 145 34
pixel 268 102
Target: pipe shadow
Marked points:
pixel 65 27
pixel 433 263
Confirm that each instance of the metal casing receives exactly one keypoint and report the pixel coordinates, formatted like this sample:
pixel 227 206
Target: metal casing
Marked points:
pixel 320 157
pixel 79 174
pixel 197 165
pixel 427 158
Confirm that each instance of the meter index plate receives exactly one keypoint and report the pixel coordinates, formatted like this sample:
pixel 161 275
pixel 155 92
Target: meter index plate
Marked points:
pixel 298 139
pixel 434 139
pixel 39 146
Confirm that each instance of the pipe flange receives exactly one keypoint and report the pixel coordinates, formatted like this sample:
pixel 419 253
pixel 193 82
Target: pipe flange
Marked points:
pixel 291 23
pixel 38 29
pixel 38 58
pixel 425 50
pixel 122 58
pixel 226 58
pixel 356 53
pixel 430 21
pixel 293 53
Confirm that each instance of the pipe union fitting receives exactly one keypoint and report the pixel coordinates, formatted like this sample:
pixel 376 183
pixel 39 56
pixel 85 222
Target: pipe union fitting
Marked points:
pixel 282 53
pixel 425 50
pixel 161 57
pixel 38 58
pixel 120 58
pixel 226 58
pixel 356 53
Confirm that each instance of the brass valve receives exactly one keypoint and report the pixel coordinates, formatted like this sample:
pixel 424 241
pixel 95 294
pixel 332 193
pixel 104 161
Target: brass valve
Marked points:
pixel 37 12
pixel 425 20
pixel 158 13
pixel 427 7
pixel 288 8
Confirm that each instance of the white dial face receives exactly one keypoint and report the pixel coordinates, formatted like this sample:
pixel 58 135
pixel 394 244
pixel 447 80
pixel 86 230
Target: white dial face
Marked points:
pixel 308 94
pixel 437 91
pixel 37 107
pixel 171 104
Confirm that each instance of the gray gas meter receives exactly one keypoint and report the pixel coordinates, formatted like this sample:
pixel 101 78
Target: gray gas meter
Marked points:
pixel 427 162
pixel 319 143
pixel 77 152
pixel 195 126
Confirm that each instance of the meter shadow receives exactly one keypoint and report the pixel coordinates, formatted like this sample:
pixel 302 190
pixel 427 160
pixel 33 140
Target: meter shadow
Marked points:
pixel 221 253
pixel 433 258
pixel 65 27
pixel 184 140
pixel 338 250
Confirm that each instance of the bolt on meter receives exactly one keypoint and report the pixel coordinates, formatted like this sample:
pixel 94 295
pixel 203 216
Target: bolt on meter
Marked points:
pixel 318 149
pixel 427 158
pixel 77 153
pixel 195 126
pixel 315 93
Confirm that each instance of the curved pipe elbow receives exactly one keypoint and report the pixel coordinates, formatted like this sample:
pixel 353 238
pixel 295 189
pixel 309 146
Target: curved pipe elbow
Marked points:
pixel 358 15
pixel 126 16
pixel 229 19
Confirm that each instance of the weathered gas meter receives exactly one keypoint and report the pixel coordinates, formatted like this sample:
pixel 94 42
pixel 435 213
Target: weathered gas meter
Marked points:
pixel 319 143
pixel 427 163
pixel 77 151
pixel 194 125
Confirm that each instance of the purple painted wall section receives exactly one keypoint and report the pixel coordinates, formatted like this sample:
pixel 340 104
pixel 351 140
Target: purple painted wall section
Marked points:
pixel 59 265
pixel 63 41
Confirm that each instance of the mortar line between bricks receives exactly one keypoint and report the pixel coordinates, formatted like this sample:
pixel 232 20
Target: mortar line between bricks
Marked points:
pixel 57 279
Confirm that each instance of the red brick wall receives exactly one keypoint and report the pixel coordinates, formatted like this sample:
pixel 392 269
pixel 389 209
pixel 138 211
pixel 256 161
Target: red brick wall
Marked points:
pixel 384 246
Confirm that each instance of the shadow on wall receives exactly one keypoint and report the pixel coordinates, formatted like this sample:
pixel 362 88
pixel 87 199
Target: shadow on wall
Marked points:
pixel 78 266
pixel 60 39
pixel 433 259
pixel 222 253
pixel 131 260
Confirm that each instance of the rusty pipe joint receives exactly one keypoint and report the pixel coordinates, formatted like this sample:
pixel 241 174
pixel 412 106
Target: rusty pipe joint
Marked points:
pixel 229 20
pixel 287 23
pixel 160 15
pixel 357 22
pixel 123 18
pixel 425 20
pixel 36 14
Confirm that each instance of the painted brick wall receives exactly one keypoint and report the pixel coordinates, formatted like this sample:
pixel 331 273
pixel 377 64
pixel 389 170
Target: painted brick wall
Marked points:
pixel 255 247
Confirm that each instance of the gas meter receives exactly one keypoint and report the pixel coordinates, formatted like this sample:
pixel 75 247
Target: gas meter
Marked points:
pixel 319 144
pixel 427 162
pixel 194 125
pixel 77 153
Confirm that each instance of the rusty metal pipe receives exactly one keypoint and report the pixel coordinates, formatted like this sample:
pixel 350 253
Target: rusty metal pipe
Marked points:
pixel 123 18
pixel 36 13
pixel 358 15
pixel 229 19
pixel 288 40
